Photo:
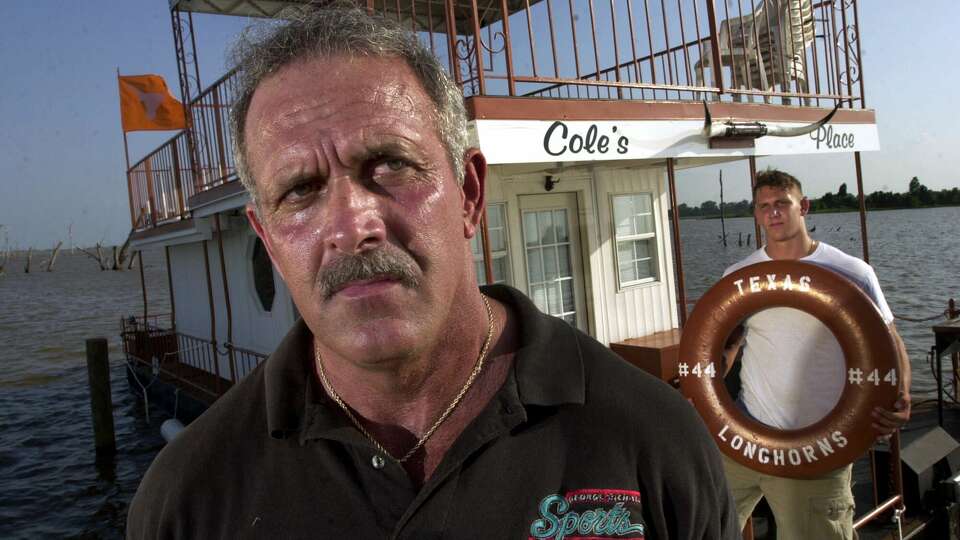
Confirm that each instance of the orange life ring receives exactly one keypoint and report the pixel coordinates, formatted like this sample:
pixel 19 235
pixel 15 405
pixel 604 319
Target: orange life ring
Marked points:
pixel 869 349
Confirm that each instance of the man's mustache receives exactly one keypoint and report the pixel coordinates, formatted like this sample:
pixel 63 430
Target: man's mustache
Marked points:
pixel 386 262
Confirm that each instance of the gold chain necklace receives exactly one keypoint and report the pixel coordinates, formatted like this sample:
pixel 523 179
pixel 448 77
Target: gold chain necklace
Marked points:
pixel 443 416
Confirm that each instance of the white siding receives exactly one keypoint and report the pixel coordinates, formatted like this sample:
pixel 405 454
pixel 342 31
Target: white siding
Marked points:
pixel 613 314
pixel 637 310
pixel 253 328
pixel 190 295
pixel 190 289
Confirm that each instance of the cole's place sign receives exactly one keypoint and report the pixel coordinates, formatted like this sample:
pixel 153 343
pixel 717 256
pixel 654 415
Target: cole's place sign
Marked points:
pixel 532 141
pixel 559 141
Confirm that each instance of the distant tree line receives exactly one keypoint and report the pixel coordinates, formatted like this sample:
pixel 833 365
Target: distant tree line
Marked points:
pixel 916 196
pixel 712 209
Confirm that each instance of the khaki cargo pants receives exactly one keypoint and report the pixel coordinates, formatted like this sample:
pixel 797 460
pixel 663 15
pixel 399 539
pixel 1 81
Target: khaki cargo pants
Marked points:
pixel 821 508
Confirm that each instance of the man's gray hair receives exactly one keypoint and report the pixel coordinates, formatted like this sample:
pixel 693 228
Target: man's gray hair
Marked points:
pixel 334 31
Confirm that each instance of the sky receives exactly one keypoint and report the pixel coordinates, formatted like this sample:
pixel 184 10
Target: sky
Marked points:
pixel 61 147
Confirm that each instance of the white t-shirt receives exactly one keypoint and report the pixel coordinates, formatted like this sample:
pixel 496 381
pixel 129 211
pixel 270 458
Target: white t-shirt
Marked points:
pixel 793 368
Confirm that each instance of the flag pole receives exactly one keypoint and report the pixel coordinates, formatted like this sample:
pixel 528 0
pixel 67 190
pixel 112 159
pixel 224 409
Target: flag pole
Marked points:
pixel 126 156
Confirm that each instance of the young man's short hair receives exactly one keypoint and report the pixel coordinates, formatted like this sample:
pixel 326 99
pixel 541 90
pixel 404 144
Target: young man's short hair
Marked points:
pixel 776 178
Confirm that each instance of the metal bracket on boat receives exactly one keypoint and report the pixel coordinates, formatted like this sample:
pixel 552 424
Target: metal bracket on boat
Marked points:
pixel 898 519
pixel 740 134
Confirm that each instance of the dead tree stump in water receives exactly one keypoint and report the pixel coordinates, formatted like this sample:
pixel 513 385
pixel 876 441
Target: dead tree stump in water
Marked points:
pixel 97 257
pixel 53 256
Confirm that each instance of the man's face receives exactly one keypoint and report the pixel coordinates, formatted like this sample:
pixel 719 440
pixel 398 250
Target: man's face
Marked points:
pixel 781 212
pixel 359 208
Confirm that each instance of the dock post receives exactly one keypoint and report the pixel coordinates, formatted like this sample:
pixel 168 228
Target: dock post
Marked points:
pixel 101 402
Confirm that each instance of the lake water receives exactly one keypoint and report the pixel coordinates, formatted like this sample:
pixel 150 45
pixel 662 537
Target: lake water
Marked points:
pixel 51 487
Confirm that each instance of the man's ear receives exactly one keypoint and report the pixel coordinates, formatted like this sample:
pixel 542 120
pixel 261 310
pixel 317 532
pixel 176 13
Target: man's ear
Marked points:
pixel 804 206
pixel 254 218
pixel 473 190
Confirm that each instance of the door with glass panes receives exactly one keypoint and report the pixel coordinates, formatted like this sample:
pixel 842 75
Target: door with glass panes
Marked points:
pixel 552 256
pixel 499 249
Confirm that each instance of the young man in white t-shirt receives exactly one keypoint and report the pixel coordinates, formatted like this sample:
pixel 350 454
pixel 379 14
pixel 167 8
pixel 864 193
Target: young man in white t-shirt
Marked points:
pixel 792 371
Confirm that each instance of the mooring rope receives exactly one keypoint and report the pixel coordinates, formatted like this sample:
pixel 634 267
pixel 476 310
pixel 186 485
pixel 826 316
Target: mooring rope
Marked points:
pixel 942 315
pixel 176 401
pixel 146 398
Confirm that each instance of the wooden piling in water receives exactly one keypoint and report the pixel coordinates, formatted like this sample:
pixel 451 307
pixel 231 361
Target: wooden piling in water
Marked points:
pixel 101 402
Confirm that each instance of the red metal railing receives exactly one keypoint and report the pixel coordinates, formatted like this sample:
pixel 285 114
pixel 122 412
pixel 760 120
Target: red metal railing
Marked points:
pixel 157 321
pixel 211 133
pixel 161 183
pixel 191 362
pixel 244 360
pixel 193 161
pixel 790 52
pixel 797 52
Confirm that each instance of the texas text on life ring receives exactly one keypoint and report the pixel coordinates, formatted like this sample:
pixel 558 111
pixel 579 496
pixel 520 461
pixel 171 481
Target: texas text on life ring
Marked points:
pixel 845 432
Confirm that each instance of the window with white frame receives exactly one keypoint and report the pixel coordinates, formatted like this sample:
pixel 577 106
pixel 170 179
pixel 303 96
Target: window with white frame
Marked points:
pixel 499 255
pixel 635 232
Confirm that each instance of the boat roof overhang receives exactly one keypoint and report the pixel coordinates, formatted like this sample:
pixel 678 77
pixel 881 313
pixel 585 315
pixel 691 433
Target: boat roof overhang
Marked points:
pixel 489 11
pixel 225 197
pixel 184 231
pixel 240 8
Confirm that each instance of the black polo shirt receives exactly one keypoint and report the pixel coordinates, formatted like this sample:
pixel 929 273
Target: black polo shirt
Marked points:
pixel 576 444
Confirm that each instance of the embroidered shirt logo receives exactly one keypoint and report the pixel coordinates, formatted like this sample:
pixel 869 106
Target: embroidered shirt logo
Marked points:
pixel 589 513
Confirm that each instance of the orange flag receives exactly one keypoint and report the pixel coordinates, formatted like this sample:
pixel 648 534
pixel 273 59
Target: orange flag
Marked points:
pixel 147 105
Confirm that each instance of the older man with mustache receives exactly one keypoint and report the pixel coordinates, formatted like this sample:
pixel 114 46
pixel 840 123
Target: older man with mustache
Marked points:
pixel 408 402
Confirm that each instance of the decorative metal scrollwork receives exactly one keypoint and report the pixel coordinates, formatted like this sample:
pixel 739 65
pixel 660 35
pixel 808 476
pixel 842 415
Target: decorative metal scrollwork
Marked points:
pixel 184 37
pixel 493 38
pixel 465 50
pixel 846 42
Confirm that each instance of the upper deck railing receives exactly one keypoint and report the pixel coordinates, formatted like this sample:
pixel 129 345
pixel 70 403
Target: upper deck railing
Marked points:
pixel 162 183
pixel 788 52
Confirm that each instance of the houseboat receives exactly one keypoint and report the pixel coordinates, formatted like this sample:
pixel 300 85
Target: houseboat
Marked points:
pixel 585 111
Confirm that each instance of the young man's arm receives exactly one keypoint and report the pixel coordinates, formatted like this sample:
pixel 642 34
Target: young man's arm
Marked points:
pixel 732 348
pixel 886 421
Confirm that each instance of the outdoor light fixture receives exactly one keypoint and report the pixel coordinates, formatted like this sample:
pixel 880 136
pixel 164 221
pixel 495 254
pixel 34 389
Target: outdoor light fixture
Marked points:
pixel 549 182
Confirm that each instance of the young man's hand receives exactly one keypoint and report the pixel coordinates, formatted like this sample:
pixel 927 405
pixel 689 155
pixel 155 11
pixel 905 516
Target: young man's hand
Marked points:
pixel 886 421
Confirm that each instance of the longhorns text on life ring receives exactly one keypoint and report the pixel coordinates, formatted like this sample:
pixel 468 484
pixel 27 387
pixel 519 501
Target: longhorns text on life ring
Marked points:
pixel 872 378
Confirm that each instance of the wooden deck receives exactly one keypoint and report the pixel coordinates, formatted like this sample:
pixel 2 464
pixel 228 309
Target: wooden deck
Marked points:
pixel 197 366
